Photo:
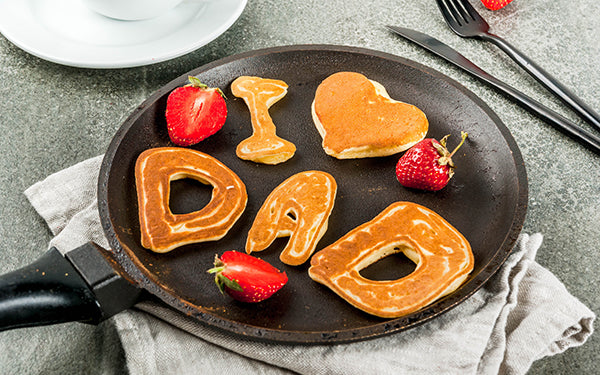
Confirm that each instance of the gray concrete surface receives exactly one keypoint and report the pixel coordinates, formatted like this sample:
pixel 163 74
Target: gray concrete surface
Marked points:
pixel 52 116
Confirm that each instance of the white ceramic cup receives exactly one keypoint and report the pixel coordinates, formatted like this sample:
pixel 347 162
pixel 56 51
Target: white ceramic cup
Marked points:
pixel 131 10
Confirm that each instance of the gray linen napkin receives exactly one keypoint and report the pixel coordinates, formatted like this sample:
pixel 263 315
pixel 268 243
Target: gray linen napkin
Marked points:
pixel 522 314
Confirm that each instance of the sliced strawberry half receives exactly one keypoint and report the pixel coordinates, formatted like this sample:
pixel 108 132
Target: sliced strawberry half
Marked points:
pixel 246 278
pixel 194 112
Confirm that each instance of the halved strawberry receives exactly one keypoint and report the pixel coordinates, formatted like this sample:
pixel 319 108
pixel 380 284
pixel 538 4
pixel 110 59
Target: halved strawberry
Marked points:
pixel 194 112
pixel 247 278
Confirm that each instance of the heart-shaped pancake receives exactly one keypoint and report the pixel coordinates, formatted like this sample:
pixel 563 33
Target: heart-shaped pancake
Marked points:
pixel 357 118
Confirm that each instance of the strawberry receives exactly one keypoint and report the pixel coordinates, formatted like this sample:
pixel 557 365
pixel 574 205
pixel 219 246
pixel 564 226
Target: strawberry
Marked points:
pixel 427 165
pixel 495 4
pixel 194 112
pixel 246 278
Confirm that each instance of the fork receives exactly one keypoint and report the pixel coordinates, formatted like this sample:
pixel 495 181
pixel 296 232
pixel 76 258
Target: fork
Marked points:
pixel 465 21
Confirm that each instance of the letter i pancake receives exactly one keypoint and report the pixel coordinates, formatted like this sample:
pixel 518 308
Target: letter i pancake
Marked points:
pixel 264 146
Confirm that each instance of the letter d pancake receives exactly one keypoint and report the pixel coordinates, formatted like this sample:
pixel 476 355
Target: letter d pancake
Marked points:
pixel 442 255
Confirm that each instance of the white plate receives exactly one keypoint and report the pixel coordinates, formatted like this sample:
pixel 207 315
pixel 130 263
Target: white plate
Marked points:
pixel 66 32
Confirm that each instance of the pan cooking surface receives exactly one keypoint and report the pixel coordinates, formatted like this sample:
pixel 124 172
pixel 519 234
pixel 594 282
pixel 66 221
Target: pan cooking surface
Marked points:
pixel 485 200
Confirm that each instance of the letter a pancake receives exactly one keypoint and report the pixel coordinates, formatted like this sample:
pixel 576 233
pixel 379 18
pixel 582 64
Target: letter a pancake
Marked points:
pixel 356 118
pixel 442 255
pixel 299 207
pixel 161 230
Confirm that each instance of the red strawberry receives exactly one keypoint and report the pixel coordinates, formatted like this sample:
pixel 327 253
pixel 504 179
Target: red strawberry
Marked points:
pixel 427 165
pixel 495 4
pixel 246 278
pixel 194 112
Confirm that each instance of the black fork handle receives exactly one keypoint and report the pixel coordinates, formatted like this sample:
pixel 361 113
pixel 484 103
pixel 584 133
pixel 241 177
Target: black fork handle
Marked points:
pixel 591 141
pixel 584 137
pixel 546 79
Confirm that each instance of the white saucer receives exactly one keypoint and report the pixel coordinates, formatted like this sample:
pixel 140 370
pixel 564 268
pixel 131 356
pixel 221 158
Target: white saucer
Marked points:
pixel 66 32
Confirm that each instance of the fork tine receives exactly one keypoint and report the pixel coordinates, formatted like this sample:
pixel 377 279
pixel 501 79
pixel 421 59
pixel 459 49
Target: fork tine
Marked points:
pixel 472 12
pixel 459 9
pixel 448 13
pixel 462 18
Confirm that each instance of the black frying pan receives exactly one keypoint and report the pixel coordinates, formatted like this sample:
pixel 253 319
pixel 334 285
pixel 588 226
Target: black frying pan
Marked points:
pixel 486 200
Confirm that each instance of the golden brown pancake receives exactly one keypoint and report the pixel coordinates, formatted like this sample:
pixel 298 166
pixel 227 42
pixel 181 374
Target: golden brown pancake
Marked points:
pixel 356 118
pixel 299 208
pixel 442 255
pixel 161 230
pixel 264 146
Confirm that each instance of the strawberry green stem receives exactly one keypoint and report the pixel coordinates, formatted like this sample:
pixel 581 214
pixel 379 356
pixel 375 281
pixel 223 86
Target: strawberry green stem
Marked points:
pixel 464 136
pixel 216 269
pixel 444 140
pixel 223 280
pixel 195 82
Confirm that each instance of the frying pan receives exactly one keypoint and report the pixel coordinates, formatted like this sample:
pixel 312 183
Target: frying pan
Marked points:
pixel 486 200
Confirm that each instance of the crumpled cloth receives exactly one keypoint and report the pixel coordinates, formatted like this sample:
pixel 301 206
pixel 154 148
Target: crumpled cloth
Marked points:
pixel 522 314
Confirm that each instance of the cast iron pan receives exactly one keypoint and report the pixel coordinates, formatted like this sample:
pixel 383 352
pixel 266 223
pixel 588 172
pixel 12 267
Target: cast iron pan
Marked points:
pixel 486 200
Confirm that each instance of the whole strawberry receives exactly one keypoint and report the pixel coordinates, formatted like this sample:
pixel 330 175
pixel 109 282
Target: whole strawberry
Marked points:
pixel 495 4
pixel 246 278
pixel 427 165
pixel 194 112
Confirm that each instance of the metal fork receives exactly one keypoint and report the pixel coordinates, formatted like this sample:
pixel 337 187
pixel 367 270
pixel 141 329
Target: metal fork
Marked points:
pixel 464 20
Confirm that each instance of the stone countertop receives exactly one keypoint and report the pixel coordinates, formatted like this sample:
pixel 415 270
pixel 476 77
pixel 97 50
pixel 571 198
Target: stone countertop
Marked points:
pixel 53 116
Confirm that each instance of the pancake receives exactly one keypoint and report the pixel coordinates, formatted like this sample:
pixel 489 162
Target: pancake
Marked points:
pixel 264 146
pixel 163 231
pixel 442 255
pixel 299 208
pixel 357 118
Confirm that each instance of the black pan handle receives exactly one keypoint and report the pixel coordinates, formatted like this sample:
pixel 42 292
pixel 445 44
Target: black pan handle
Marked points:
pixel 48 291
pixel 81 286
